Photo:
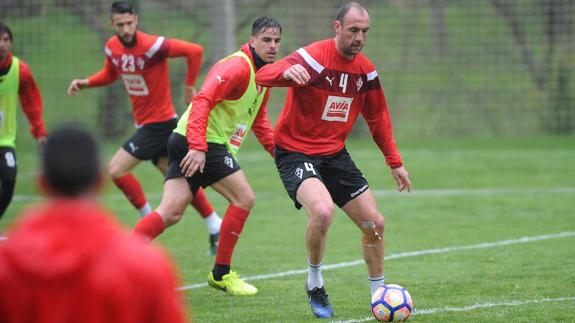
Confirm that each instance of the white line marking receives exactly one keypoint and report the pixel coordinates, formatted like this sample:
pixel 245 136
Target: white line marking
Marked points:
pixel 478 191
pixel 421 192
pixel 404 255
pixel 472 307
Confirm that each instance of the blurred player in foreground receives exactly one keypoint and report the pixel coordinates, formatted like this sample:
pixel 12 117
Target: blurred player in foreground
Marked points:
pixel 68 261
pixel 16 83
pixel 141 61
pixel 330 83
pixel 203 147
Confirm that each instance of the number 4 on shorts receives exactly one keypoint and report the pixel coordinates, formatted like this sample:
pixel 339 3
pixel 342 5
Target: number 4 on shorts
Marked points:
pixel 309 167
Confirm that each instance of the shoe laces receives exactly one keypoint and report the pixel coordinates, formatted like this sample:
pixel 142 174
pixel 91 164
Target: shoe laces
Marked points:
pixel 319 295
pixel 232 275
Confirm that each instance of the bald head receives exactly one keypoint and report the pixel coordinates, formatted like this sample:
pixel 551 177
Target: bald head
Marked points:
pixel 343 10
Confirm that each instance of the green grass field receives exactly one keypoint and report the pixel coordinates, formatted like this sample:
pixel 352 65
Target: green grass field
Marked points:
pixel 487 234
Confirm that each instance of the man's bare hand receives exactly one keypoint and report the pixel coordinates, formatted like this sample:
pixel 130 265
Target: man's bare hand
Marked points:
pixel 402 178
pixel 76 85
pixel 189 93
pixel 192 162
pixel 297 73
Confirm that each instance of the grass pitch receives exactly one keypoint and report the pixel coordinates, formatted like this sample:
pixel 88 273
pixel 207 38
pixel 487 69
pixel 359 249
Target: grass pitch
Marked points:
pixel 487 234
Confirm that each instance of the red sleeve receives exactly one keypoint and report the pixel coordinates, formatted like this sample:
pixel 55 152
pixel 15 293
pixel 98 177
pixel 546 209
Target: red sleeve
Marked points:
pixel 262 127
pixel 192 52
pixel 31 101
pixel 377 117
pixel 227 80
pixel 271 75
pixel 105 76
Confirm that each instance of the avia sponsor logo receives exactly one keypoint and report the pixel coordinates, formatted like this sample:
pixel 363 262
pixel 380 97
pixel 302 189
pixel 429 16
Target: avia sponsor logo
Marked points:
pixel 238 135
pixel 361 190
pixel 336 108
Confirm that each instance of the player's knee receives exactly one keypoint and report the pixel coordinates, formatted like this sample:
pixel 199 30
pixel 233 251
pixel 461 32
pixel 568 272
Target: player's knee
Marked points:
pixel 115 171
pixel 379 224
pixel 322 213
pixel 172 209
pixel 173 217
pixel 246 200
pixel 372 232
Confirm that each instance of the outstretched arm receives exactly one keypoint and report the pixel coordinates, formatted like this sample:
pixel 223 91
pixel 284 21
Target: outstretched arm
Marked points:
pixel 193 53
pixel 284 73
pixel 107 75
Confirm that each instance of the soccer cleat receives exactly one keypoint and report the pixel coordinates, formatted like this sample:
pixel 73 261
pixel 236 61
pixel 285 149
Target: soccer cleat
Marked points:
pixel 232 284
pixel 213 244
pixel 319 302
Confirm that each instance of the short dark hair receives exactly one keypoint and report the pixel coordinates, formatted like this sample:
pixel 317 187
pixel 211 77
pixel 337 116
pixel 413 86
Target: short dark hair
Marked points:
pixel 343 10
pixel 121 7
pixel 4 29
pixel 262 23
pixel 71 161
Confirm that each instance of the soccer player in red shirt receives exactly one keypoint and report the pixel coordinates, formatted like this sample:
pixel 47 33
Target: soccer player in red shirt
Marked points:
pixel 16 84
pixel 203 147
pixel 140 60
pixel 330 83
pixel 69 261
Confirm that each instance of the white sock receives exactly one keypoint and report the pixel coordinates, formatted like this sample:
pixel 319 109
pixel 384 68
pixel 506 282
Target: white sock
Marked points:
pixel 375 283
pixel 145 210
pixel 213 222
pixel 314 278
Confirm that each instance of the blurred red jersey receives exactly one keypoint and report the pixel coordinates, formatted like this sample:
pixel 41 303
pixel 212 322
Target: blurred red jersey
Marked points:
pixel 69 262
pixel 144 70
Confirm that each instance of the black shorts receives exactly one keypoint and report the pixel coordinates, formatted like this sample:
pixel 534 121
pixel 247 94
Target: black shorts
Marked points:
pixel 8 164
pixel 219 163
pixel 150 141
pixel 337 172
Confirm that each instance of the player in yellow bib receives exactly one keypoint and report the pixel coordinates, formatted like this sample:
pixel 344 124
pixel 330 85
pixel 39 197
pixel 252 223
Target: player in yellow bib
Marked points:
pixel 16 84
pixel 203 147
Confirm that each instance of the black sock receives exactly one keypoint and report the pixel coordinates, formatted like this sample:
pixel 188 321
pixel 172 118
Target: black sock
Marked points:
pixel 220 270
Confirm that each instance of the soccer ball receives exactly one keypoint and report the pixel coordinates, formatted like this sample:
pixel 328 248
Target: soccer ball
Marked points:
pixel 391 303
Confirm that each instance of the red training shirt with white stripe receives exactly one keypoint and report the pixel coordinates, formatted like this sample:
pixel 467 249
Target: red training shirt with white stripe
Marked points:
pixel 318 116
pixel 144 71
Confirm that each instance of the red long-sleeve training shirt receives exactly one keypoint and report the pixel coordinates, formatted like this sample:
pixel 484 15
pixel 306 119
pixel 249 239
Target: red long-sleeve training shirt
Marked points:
pixel 318 116
pixel 226 80
pixel 30 97
pixel 144 71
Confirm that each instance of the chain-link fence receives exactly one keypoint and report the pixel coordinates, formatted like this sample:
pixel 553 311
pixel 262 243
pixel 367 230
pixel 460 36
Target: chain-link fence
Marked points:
pixel 450 68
